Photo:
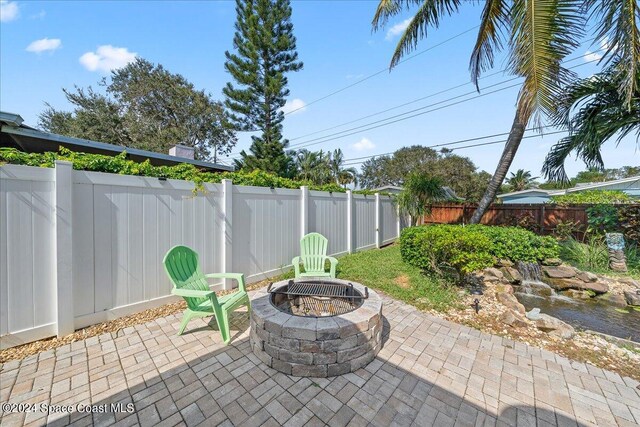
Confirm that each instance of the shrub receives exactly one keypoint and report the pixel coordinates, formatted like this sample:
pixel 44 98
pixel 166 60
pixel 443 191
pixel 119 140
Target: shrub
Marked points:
pixel 629 222
pixel 473 247
pixel 593 197
pixel 119 164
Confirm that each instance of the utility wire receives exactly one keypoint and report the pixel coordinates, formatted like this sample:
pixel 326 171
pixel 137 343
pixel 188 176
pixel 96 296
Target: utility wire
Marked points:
pixel 338 135
pixel 385 69
pixel 351 162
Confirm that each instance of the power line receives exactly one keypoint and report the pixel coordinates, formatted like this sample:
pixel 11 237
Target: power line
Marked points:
pixel 381 71
pixel 351 162
pixel 358 129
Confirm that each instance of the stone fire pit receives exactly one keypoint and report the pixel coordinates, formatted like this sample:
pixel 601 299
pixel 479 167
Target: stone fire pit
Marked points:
pixel 316 336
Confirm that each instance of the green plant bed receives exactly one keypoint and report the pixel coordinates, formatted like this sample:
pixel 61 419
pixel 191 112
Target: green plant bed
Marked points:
pixel 472 247
pixel 593 256
pixel 384 270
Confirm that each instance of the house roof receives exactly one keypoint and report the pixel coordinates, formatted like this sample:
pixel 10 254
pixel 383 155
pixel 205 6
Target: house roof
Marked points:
pixel 530 191
pixel 451 194
pixel 592 185
pixel 14 133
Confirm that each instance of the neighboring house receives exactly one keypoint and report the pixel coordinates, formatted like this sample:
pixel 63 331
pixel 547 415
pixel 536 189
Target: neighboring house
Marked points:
pixel 394 189
pixel 630 185
pixel 25 138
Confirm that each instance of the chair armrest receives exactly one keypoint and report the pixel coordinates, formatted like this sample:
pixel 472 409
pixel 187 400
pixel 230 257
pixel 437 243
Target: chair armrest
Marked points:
pixel 334 263
pixel 192 293
pixel 239 277
pixel 296 266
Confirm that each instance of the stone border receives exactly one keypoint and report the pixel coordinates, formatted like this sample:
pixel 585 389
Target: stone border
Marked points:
pixel 316 347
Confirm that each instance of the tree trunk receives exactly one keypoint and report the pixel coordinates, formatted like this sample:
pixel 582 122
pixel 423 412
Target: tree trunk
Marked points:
pixel 509 152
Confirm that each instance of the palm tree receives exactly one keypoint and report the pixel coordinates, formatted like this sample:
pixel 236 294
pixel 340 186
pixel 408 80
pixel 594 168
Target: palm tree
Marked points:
pixel 521 180
pixel 419 191
pixel 348 176
pixel 600 115
pixel 313 166
pixel 538 35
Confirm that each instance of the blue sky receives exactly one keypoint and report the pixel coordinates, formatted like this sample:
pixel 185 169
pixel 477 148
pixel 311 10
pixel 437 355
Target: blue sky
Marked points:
pixel 45 46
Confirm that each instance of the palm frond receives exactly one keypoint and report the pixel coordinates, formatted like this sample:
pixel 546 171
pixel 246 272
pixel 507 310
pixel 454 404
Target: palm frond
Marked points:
pixel 495 20
pixel 544 32
pixel 619 29
pixel 594 112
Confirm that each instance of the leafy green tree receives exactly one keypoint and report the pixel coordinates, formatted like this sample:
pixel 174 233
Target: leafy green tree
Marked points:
pixel 420 190
pixel 145 107
pixel 459 173
pixel 601 114
pixel 313 166
pixel 521 180
pixel 538 35
pixel 340 174
pixel 265 52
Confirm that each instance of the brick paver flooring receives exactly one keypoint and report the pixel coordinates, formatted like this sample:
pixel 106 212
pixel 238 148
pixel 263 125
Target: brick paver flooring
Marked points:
pixel 429 372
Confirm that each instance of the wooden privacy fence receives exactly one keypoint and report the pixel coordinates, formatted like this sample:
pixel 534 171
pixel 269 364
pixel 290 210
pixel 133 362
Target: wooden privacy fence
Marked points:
pixel 542 218
pixel 79 248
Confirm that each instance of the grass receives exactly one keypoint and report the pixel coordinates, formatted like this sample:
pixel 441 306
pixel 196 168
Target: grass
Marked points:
pixel 384 270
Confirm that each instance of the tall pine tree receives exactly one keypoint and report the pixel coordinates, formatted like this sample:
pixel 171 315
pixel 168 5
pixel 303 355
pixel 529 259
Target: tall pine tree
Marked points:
pixel 265 51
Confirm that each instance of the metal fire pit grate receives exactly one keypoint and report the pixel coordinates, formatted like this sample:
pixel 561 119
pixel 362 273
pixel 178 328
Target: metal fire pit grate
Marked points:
pixel 316 298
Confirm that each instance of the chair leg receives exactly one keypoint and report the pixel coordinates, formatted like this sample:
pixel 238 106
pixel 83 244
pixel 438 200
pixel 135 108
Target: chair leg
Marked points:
pixel 186 317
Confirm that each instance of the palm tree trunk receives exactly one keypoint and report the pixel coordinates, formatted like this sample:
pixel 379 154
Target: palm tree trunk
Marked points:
pixel 509 152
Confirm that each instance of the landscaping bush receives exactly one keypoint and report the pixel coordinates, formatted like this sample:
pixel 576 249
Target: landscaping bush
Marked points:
pixel 593 197
pixel 119 164
pixel 472 247
pixel 629 222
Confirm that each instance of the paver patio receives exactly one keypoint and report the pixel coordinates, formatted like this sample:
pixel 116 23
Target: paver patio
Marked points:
pixel 429 372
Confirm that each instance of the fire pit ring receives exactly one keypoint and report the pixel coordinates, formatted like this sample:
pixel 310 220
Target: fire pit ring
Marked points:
pixel 315 342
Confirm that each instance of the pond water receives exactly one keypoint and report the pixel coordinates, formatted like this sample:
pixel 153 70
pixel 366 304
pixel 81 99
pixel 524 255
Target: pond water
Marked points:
pixel 591 314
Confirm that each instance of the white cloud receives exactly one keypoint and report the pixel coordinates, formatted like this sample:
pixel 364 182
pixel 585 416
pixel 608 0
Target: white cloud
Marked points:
pixel 364 145
pixel 39 15
pixel 592 56
pixel 107 58
pixel 294 106
pixel 44 45
pixel 8 10
pixel 397 29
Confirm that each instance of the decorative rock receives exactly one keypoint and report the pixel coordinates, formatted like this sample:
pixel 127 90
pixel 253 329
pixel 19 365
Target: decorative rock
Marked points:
pixel 632 298
pixel 586 276
pixel 534 314
pixel 510 302
pixel 554 326
pixel 552 261
pixel 504 263
pixel 514 319
pixel 577 294
pixel 492 274
pixel 615 299
pixel 511 274
pixel 629 281
pixel 564 284
pixel 559 272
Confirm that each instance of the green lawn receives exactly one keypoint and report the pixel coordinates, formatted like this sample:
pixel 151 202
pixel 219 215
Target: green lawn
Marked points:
pixel 383 269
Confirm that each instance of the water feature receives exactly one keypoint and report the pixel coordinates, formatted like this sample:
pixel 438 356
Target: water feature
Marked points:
pixel 590 314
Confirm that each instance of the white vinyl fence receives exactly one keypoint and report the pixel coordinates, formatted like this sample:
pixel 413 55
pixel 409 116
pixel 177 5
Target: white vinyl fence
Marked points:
pixel 78 248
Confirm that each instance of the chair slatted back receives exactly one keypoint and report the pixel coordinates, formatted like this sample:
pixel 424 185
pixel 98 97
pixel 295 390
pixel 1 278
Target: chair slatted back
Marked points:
pixel 313 252
pixel 181 265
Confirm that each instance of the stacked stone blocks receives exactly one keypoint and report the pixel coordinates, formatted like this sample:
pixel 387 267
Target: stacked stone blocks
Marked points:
pixel 316 347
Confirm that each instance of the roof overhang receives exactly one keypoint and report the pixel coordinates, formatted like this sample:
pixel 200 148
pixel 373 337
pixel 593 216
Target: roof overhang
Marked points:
pixel 36 141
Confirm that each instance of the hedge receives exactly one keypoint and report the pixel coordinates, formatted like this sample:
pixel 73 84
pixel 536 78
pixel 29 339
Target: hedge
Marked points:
pixel 472 247
pixel 119 164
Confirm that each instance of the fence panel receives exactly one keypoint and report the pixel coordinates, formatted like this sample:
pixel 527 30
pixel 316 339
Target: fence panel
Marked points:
pixel 328 216
pixel 266 230
pixel 27 250
pixel 389 219
pixel 541 218
pixel 364 221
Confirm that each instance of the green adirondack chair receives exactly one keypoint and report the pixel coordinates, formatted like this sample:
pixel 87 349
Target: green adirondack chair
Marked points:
pixel 313 254
pixel 181 265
